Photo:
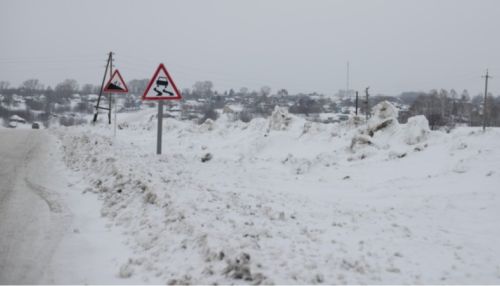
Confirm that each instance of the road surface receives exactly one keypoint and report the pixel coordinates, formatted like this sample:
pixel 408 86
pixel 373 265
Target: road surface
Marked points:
pixel 50 231
pixel 32 219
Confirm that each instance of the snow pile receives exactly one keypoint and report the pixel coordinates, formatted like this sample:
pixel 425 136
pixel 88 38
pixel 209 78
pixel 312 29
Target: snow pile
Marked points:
pixel 385 116
pixel 384 110
pixel 355 121
pixel 288 207
pixel 360 140
pixel 384 133
pixel 417 130
pixel 134 200
pixel 17 118
pixel 207 125
pixel 280 119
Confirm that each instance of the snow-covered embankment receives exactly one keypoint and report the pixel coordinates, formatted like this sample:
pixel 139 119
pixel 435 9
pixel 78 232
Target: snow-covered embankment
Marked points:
pixel 288 201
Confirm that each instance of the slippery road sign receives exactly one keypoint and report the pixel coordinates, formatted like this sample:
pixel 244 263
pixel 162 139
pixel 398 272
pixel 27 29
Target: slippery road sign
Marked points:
pixel 116 84
pixel 161 86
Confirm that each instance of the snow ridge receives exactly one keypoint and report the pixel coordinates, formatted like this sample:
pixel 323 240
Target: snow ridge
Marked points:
pixel 283 200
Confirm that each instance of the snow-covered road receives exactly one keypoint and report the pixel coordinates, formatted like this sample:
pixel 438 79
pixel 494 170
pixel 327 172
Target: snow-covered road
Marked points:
pixel 32 219
pixel 50 232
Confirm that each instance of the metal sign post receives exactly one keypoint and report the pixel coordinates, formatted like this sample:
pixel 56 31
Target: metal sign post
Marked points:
pixel 114 101
pixel 160 127
pixel 161 87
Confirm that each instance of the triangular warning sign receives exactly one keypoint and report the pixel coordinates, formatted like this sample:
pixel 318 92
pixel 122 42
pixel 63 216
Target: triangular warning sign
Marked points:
pixel 116 84
pixel 161 86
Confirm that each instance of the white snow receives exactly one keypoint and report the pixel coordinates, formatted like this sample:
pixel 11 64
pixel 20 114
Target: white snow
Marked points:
pixel 418 129
pixel 283 200
pixel 51 233
pixel 17 118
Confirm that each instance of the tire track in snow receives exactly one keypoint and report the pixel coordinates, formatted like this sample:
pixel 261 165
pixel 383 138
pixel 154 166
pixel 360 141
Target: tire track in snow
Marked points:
pixel 33 219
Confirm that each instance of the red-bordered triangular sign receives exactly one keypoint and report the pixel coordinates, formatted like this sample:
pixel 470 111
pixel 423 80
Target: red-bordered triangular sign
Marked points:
pixel 161 86
pixel 116 84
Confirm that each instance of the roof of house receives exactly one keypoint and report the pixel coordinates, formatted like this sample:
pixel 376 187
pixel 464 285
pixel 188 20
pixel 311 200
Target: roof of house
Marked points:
pixel 16 117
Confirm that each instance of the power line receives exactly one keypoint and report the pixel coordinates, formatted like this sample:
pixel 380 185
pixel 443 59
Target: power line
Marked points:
pixel 486 77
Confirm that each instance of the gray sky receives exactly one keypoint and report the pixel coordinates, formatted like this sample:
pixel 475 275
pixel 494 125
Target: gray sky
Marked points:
pixel 300 45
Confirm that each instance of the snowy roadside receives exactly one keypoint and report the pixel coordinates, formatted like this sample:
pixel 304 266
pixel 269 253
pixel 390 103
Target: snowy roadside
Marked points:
pixel 87 248
pixel 286 201
pixel 50 232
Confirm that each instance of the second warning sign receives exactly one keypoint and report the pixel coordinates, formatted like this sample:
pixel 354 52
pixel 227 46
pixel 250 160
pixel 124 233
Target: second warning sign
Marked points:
pixel 161 86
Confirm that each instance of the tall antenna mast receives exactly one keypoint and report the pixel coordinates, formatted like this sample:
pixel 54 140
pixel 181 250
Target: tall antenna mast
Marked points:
pixel 347 80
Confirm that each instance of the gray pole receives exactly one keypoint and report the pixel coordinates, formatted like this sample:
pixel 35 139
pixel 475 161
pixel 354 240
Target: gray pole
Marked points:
pixel 367 103
pixel 110 95
pixel 160 128
pixel 485 95
pixel 114 101
pixel 356 102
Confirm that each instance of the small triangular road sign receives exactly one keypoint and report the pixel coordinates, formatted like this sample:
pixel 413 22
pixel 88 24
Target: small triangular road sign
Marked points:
pixel 116 84
pixel 161 86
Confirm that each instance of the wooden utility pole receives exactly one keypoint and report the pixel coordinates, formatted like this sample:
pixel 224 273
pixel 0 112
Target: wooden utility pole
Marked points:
pixel 109 65
pixel 356 102
pixel 486 77
pixel 367 105
pixel 110 95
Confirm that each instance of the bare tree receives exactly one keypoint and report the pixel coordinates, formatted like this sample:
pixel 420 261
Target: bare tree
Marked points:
pixel 244 91
pixel 282 92
pixel 66 88
pixel 209 113
pixel 137 86
pixel 4 85
pixel 265 91
pixel 245 115
pixel 30 86
pixel 203 88
pixel 89 89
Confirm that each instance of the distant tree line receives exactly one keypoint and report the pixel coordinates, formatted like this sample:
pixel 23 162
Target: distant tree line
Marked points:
pixel 441 107
pixel 34 101
pixel 448 108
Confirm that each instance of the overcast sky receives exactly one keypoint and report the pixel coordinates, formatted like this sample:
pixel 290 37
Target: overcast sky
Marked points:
pixel 300 45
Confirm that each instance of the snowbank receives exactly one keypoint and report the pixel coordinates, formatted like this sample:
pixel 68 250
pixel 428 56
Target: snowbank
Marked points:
pixel 384 136
pixel 285 201
pixel 417 130
pixel 280 119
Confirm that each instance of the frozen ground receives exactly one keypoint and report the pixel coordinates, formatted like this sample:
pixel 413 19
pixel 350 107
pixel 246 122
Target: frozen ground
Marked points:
pixel 286 201
pixel 49 232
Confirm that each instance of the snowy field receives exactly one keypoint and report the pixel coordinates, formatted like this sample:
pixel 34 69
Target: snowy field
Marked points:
pixel 282 200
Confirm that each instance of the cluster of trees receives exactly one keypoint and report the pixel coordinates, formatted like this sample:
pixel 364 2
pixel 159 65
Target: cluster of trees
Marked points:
pixel 257 103
pixel 448 108
pixel 442 108
pixel 44 102
pixel 40 102
pixel 65 89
